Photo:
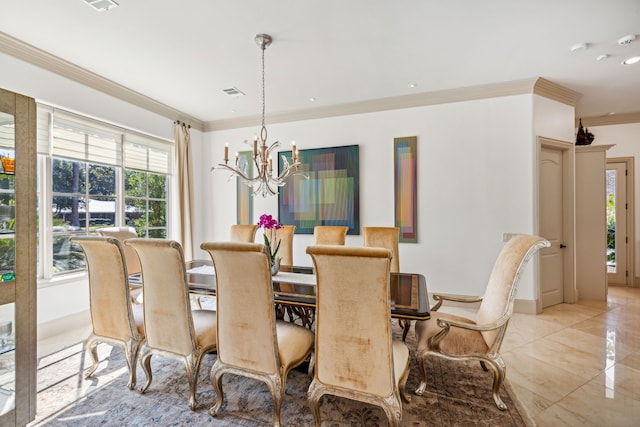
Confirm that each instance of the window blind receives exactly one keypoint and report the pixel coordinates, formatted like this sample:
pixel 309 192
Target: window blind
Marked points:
pixel 146 153
pixel 64 134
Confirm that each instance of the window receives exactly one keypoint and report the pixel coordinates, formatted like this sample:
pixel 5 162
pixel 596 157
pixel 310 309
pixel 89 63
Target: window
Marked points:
pixel 97 175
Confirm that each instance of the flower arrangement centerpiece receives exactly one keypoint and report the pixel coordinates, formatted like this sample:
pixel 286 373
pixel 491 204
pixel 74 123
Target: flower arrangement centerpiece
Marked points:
pixel 270 225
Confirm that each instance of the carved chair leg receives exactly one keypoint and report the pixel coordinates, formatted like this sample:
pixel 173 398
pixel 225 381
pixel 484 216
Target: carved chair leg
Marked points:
pixel 216 380
pixel 131 349
pixel 499 374
pixel 420 358
pixel 145 362
pixel 91 345
pixel 314 404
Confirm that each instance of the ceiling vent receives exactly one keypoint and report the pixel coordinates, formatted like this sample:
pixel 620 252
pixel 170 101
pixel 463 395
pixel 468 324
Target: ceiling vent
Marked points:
pixel 101 5
pixel 233 91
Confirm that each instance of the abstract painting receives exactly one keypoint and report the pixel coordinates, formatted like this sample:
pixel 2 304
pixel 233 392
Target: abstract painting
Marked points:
pixel 331 195
pixel 244 201
pixel 405 185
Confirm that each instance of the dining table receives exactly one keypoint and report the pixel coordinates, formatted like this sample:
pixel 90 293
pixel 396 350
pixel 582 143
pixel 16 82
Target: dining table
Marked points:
pixel 294 288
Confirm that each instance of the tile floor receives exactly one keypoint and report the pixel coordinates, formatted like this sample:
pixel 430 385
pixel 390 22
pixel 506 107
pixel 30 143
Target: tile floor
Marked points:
pixel 578 364
pixel 572 365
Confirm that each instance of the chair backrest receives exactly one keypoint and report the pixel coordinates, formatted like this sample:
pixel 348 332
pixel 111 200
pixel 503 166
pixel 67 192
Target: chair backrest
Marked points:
pixel 329 234
pixel 246 334
pixel 285 234
pixel 384 237
pixel 122 234
pixel 109 293
pixel 243 233
pixel 503 283
pixel 353 318
pixel 168 322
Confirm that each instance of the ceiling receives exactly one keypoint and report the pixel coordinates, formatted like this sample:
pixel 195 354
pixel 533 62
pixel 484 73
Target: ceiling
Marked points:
pixel 184 53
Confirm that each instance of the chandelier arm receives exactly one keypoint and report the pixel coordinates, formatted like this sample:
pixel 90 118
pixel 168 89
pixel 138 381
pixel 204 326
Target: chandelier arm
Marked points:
pixel 235 171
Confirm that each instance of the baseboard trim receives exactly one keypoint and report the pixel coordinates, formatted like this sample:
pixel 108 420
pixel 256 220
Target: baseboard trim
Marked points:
pixel 64 324
pixel 527 306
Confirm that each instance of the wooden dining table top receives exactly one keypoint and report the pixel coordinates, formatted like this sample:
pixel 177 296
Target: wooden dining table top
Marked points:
pixel 296 286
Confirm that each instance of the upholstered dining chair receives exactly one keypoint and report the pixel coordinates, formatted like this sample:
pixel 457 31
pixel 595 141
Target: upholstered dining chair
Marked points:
pixel 285 235
pixel 251 342
pixel 172 329
pixel 458 338
pixel 360 362
pixel 243 232
pixel 329 234
pixel 388 238
pixel 113 318
pixel 130 256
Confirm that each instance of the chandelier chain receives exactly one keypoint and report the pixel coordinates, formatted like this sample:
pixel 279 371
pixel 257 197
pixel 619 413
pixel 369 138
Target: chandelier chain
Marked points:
pixel 266 181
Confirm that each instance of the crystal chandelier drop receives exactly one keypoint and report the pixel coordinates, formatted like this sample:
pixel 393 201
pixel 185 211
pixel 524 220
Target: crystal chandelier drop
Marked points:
pixel 265 182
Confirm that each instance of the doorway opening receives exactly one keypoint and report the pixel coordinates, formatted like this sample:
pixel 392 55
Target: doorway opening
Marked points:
pixel 620 221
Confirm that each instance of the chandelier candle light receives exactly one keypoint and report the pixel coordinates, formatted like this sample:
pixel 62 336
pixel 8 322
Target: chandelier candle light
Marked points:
pixel 265 182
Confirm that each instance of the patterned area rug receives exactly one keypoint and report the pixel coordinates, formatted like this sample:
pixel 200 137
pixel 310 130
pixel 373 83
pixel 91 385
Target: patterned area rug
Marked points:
pixel 458 394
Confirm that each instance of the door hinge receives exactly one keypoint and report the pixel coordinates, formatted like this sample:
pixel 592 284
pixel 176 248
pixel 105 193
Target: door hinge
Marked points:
pixel 626 273
pixel 626 239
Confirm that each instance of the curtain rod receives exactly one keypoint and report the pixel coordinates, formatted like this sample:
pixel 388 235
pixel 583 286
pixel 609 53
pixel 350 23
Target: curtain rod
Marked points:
pixel 178 122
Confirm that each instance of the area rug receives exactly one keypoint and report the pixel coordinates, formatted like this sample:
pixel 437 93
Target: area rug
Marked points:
pixel 458 394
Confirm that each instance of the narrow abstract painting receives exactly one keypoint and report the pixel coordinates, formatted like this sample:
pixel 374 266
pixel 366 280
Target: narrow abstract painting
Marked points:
pixel 331 195
pixel 244 201
pixel 406 188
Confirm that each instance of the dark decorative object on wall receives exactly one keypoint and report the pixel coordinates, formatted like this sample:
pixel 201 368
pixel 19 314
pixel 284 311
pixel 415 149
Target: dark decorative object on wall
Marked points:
pixel 331 195
pixel 584 137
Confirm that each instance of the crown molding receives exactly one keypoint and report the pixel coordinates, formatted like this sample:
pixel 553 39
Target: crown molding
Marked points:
pixel 556 92
pixel 535 85
pixel 45 60
pixel 613 119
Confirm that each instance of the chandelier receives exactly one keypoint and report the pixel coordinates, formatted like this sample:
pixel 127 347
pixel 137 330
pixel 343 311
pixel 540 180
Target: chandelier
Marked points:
pixel 265 182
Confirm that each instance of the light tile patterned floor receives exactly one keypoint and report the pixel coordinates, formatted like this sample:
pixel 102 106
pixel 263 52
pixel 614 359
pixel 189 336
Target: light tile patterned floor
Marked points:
pixel 578 364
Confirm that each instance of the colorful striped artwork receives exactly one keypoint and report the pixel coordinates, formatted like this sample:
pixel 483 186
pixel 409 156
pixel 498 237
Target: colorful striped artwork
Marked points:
pixel 244 200
pixel 331 195
pixel 405 186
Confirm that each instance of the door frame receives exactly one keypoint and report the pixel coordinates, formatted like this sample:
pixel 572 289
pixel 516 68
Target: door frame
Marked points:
pixel 630 215
pixel 569 291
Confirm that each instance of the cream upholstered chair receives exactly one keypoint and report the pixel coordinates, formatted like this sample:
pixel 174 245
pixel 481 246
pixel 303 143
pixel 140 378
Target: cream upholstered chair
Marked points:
pixel 172 329
pixel 388 238
pixel 329 234
pixel 285 235
pixel 251 342
pixel 457 338
pixel 384 237
pixel 243 232
pixel 361 362
pixel 113 318
pixel 130 256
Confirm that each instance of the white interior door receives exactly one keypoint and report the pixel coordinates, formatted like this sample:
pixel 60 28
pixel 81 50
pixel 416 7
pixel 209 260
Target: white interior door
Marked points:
pixel 556 210
pixel 551 226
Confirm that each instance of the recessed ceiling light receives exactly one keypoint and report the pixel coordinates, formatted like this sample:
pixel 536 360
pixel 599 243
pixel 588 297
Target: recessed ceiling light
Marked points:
pixel 632 60
pixel 312 99
pixel 413 85
pixel 578 46
pixel 601 57
pixel 628 39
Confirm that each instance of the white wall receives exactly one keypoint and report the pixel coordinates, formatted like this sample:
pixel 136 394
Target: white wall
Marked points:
pixel 627 144
pixel 475 170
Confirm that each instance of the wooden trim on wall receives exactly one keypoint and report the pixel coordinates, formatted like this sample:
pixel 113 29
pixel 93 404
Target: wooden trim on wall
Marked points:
pixel 535 85
pixel 612 119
